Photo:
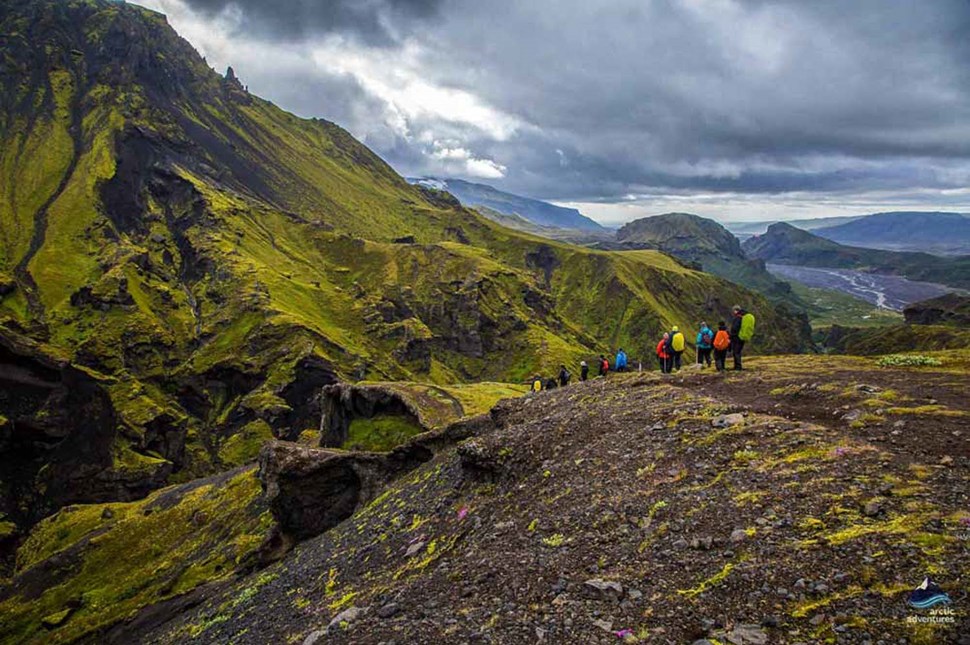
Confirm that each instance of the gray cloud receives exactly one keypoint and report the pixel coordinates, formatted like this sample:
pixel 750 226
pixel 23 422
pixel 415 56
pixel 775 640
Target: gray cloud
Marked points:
pixel 608 100
pixel 376 22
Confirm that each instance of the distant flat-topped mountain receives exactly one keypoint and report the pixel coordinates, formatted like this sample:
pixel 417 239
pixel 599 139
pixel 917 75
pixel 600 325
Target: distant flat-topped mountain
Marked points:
pixel 682 234
pixel 707 245
pixel 945 233
pixel 536 211
pixel 744 230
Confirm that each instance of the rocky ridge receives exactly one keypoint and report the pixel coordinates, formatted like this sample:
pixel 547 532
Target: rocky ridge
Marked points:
pixel 798 502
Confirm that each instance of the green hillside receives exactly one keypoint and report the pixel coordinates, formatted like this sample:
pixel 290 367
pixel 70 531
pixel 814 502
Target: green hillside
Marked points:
pixel 184 265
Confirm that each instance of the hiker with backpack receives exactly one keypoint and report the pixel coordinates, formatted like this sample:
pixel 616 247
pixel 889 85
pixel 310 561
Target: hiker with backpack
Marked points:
pixel 677 346
pixel 721 344
pixel 564 376
pixel 742 331
pixel 536 384
pixel 705 340
pixel 663 355
pixel 620 360
pixel 604 365
pixel 583 371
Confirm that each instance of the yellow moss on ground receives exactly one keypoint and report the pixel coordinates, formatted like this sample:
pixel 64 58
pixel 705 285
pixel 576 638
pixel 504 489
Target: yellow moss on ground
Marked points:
pixel 713 581
pixel 907 525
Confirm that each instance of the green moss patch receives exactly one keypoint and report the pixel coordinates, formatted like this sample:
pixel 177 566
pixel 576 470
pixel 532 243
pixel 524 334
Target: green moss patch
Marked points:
pixel 380 433
pixel 129 555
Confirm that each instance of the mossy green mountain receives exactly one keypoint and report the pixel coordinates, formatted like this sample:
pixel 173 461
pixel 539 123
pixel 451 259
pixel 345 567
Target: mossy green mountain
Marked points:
pixel 199 263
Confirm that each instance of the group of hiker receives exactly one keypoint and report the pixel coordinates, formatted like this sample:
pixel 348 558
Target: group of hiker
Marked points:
pixel 712 347
pixel 710 344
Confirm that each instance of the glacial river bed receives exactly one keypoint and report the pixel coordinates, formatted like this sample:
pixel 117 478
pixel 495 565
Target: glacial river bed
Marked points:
pixel 886 291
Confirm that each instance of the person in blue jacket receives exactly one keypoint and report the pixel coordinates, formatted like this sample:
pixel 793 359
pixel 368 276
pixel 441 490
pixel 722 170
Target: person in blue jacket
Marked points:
pixel 705 344
pixel 620 360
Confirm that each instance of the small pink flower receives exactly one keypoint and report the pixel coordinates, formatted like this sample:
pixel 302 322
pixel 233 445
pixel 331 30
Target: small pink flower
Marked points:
pixel 965 520
pixel 463 512
pixel 841 452
pixel 623 633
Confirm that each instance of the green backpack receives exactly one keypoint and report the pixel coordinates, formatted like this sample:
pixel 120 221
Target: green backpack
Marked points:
pixel 747 327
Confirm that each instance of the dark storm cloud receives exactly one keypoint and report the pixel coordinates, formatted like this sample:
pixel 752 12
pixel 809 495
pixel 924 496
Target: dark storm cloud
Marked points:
pixel 631 96
pixel 373 21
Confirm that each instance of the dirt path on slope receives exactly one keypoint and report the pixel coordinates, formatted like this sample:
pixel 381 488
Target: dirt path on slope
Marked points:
pixel 915 412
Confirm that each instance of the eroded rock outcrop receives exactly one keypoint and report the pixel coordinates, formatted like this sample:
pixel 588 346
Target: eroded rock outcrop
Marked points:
pixel 59 437
pixel 311 490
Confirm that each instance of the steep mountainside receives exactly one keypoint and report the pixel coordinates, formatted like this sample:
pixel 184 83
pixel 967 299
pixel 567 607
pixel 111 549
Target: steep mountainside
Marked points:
pixel 184 266
pixel 709 245
pixel 947 233
pixel 785 244
pixel 536 211
pixel 802 501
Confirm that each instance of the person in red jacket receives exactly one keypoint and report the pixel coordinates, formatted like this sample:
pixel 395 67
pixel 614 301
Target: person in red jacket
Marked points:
pixel 663 355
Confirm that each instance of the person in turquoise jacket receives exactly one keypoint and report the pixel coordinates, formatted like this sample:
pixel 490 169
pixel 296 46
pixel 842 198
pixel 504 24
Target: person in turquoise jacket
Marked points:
pixel 620 361
pixel 705 344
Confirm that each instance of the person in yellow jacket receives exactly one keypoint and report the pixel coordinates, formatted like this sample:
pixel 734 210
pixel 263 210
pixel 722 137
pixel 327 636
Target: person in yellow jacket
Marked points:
pixel 677 346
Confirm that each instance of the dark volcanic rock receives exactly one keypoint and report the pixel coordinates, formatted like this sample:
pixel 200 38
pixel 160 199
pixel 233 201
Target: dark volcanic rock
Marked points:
pixel 312 490
pixel 949 309
pixel 56 446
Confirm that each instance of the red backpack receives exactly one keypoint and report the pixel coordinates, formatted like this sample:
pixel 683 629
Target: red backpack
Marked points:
pixel 606 366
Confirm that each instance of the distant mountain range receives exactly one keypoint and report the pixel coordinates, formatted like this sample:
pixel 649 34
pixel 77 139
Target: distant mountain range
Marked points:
pixel 786 244
pixel 940 233
pixel 943 233
pixel 535 211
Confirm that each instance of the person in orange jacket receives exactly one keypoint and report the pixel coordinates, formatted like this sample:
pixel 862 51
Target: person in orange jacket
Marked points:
pixel 663 355
pixel 722 342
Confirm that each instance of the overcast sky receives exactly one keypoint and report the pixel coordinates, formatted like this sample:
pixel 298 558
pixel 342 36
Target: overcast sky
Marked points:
pixel 737 109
